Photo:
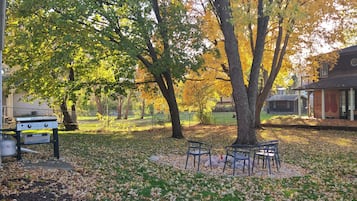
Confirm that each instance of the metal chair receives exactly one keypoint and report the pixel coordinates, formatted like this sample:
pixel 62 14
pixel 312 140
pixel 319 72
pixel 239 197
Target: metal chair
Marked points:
pixel 237 153
pixel 197 149
pixel 268 151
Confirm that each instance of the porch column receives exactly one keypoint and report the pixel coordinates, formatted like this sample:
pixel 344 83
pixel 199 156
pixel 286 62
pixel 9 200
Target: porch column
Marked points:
pixel 352 103
pixel 299 103
pixel 323 104
pixel 308 104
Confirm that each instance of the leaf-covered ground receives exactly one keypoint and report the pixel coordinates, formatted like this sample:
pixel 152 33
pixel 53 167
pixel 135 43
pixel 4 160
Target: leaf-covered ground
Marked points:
pixel 293 120
pixel 116 166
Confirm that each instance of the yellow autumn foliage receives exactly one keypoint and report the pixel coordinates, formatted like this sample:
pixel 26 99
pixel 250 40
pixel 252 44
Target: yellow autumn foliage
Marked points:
pixel 297 21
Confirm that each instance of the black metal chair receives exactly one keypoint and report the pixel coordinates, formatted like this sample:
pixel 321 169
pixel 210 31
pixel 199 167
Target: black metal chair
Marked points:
pixel 238 153
pixel 268 151
pixel 197 149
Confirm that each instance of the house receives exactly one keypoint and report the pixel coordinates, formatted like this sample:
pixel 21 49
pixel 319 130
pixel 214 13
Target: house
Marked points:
pixel 14 105
pixel 225 104
pixel 334 93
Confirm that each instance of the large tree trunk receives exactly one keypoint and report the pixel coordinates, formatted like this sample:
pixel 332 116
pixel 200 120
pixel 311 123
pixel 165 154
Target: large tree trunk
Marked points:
pixel 279 53
pixel 167 89
pixel 142 109
pixel 163 77
pixel 164 81
pixel 244 97
pixel 261 98
pixel 245 131
pixel 260 103
pixel 99 105
pixel 74 113
pixel 126 114
pixel 119 107
pixel 68 122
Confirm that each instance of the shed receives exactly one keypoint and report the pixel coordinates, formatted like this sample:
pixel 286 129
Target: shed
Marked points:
pixel 286 104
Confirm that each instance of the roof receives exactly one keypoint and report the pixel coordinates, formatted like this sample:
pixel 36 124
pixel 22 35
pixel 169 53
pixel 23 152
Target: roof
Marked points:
pixel 347 50
pixel 341 77
pixel 338 82
pixel 286 97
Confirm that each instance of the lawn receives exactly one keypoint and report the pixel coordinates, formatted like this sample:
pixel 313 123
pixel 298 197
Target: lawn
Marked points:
pixel 116 166
pixel 158 120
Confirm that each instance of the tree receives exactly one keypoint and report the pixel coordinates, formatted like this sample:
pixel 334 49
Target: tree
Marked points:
pixel 244 97
pixel 215 60
pixel 148 89
pixel 58 63
pixel 40 70
pixel 120 107
pixel 268 27
pixel 173 53
pixel 199 94
pixel 160 35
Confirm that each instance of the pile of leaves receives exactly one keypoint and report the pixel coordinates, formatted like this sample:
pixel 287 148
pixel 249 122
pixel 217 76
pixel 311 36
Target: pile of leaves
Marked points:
pixel 116 166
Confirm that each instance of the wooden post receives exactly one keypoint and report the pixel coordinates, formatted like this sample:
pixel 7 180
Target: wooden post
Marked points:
pixel 308 104
pixel 352 103
pixel 323 104
pixel 299 103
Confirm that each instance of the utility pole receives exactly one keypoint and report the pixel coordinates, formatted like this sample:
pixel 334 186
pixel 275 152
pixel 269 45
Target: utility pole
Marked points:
pixel 2 36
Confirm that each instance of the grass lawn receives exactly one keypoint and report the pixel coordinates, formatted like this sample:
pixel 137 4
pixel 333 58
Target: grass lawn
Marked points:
pixel 116 166
pixel 156 121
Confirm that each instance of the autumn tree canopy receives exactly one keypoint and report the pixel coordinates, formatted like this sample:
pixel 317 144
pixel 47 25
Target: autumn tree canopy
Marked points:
pixel 200 93
pixel 267 32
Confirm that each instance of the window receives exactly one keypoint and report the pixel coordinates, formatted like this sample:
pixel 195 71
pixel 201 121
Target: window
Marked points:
pixel 354 62
pixel 324 70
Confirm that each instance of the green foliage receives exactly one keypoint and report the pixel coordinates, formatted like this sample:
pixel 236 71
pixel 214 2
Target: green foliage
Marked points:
pixel 44 44
pixel 204 117
pixel 68 48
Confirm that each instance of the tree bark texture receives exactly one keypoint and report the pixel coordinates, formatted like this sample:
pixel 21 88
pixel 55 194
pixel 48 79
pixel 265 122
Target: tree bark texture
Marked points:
pixel 119 107
pixel 245 132
pixel 281 44
pixel 142 109
pixel 163 77
pixel 165 83
pixel 126 114
pixel 74 113
pixel 166 86
pixel 68 123
pixel 99 105
pixel 244 97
